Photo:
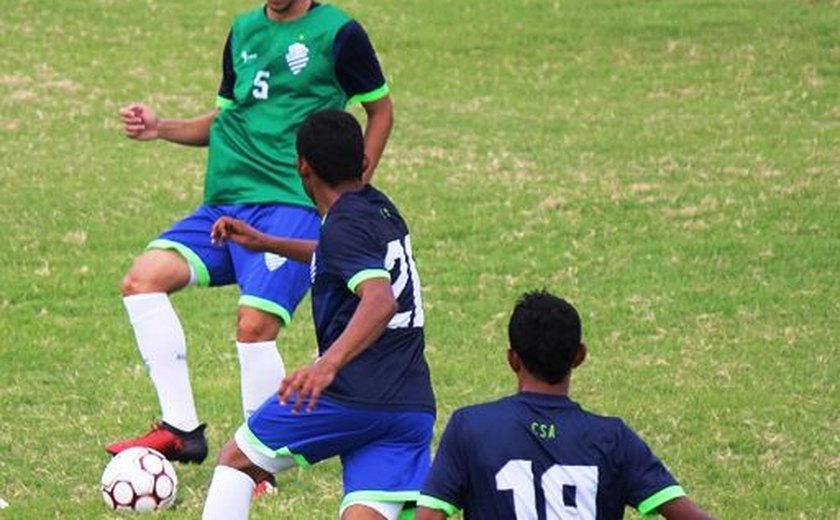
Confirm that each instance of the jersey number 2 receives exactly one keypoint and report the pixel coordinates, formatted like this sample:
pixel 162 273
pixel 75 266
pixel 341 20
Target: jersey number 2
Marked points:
pixel 570 491
pixel 413 317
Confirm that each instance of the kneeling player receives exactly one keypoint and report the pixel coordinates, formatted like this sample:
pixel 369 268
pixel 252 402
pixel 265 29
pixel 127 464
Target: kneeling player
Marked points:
pixel 368 397
pixel 537 454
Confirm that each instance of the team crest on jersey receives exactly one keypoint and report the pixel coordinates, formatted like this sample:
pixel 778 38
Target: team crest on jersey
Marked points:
pixel 297 57
pixel 273 262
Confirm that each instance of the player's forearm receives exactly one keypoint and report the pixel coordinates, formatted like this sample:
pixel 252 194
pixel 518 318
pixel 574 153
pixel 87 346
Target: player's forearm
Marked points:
pixel 376 308
pixel 190 132
pixel 299 250
pixel 380 120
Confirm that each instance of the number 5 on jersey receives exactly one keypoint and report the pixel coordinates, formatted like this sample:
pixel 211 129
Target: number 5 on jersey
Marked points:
pixel 260 90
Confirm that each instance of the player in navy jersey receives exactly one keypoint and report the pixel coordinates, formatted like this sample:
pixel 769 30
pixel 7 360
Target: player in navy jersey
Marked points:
pixel 537 454
pixel 368 397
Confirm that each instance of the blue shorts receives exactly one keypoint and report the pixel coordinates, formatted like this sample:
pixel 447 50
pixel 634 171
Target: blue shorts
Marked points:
pixel 266 281
pixel 385 453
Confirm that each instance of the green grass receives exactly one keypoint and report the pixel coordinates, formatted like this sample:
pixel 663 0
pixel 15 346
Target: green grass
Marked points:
pixel 671 166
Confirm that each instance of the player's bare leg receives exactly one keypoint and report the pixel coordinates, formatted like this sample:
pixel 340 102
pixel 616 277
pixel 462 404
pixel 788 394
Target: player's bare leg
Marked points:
pixel 234 481
pixel 261 367
pixel 160 339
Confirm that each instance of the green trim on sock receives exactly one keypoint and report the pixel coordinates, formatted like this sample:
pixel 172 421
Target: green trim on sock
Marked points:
pixel 438 504
pixel 408 514
pixel 652 503
pixel 223 102
pixel 201 272
pixel 268 452
pixel 365 275
pixel 379 496
pixel 266 306
pixel 373 95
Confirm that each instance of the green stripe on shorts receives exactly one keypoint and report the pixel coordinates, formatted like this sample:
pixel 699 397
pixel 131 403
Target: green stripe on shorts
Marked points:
pixel 268 452
pixel 437 504
pixel 266 306
pixel 379 496
pixel 202 274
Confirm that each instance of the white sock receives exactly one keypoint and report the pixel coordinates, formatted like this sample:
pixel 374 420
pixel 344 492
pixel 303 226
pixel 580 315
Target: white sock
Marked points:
pixel 160 339
pixel 260 371
pixel 229 496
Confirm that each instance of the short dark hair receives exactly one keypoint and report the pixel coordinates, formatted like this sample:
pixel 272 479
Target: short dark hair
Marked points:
pixel 544 331
pixel 331 142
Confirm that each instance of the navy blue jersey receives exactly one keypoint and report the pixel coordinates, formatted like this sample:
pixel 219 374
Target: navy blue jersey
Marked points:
pixel 537 456
pixel 362 237
pixel 357 67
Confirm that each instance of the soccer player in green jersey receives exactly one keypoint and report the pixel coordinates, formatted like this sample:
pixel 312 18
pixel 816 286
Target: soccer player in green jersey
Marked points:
pixel 281 62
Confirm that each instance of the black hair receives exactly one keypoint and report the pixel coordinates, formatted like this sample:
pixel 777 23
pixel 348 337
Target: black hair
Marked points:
pixel 545 331
pixel 331 142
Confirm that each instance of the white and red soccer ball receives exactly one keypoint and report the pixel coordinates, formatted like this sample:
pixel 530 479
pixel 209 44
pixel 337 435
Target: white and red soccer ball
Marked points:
pixel 139 479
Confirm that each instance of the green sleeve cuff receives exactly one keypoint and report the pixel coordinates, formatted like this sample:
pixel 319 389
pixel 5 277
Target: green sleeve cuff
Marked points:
pixel 436 503
pixel 223 102
pixel 652 503
pixel 373 95
pixel 365 275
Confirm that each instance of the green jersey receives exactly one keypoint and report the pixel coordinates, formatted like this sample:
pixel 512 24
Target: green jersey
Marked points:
pixel 281 72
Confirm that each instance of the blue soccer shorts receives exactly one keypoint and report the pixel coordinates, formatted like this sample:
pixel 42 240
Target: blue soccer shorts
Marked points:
pixel 385 453
pixel 267 282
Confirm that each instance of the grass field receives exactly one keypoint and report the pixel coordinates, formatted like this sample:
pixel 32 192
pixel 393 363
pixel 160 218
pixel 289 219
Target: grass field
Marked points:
pixel 671 166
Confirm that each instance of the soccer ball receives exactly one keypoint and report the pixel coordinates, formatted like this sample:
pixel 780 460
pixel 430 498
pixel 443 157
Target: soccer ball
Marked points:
pixel 139 479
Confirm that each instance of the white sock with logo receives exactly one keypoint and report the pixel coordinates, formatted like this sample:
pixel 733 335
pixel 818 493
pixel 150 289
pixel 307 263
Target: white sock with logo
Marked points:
pixel 261 370
pixel 229 496
pixel 163 347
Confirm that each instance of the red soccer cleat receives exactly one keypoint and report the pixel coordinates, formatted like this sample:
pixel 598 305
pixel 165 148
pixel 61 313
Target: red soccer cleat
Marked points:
pixel 173 443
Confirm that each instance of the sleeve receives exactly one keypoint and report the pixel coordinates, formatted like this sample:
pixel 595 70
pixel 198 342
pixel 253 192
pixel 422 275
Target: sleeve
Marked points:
pixel 225 98
pixel 447 481
pixel 357 67
pixel 350 250
pixel 648 483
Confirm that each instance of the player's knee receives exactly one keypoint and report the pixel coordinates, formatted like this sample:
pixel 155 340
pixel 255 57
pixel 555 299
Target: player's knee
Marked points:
pixel 232 457
pixel 140 282
pixel 133 284
pixel 254 325
pixel 156 271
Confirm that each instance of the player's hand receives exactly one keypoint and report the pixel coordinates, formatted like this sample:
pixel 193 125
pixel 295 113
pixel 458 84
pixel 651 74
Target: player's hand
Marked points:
pixel 227 228
pixel 306 385
pixel 139 122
